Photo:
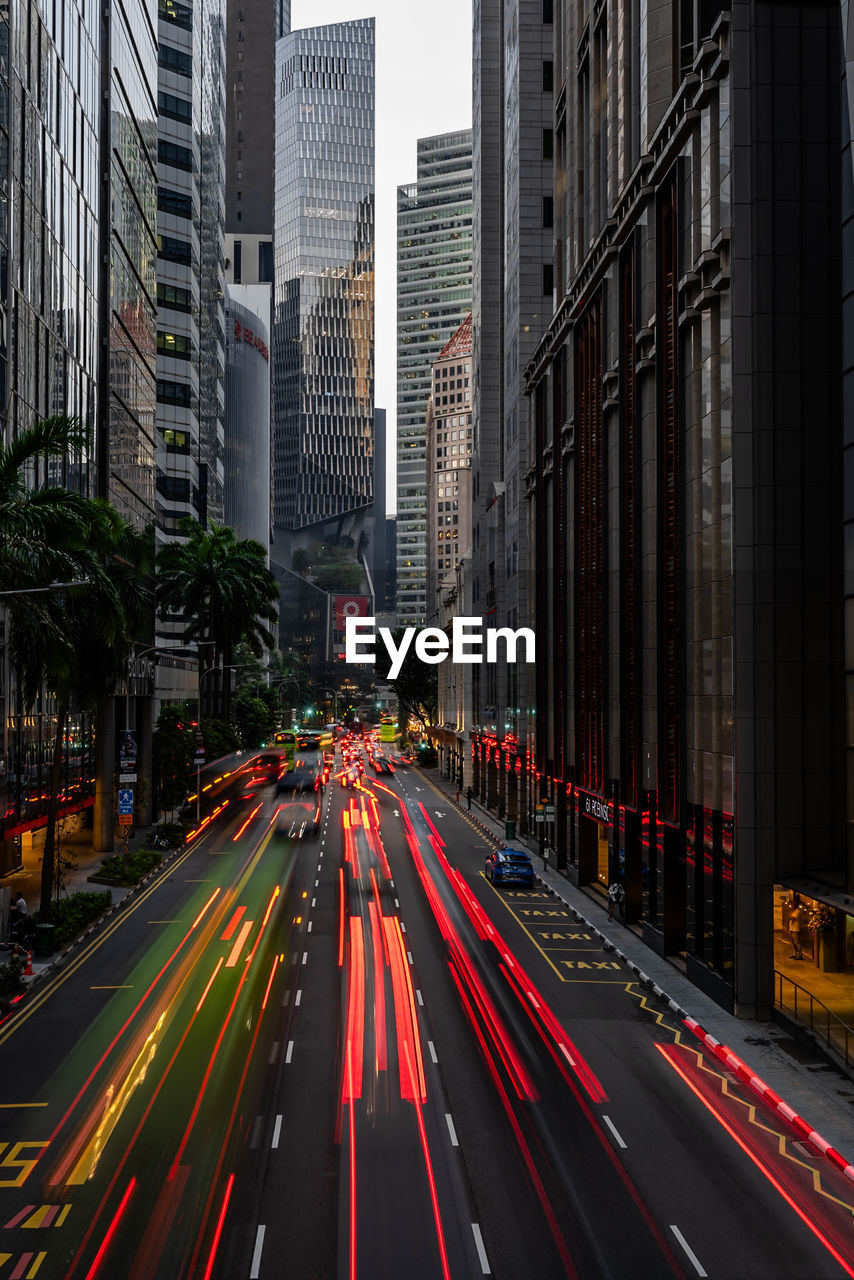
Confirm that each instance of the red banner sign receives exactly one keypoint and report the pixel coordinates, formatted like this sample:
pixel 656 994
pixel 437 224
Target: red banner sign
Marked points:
pixel 350 607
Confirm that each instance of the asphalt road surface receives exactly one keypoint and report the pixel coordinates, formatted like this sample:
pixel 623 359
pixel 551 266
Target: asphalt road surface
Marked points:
pixel 350 1056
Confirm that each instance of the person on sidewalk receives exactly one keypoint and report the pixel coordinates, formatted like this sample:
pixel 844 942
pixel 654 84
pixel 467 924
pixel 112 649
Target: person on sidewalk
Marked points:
pixel 616 898
pixel 469 794
pixel 795 931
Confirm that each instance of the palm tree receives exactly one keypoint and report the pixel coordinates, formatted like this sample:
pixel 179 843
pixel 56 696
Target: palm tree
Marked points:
pixel 76 644
pixel 224 591
pixel 42 525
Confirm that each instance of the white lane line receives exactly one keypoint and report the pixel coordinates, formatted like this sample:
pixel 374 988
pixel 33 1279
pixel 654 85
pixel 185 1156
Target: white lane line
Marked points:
pixel 402 927
pixel 313 901
pixel 481 1252
pixel 290 1051
pixel 298 997
pixel 690 1252
pixel 409 957
pixel 255 1269
pixel 274 1052
pixel 277 1133
pixel 316 883
pixel 610 1123
pixel 309 927
pixel 451 1130
pixel 304 957
pixel 432 1049
pixel 397 904
pixel 420 997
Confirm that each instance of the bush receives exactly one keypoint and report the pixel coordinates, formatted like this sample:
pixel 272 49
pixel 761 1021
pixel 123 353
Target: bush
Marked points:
pixel 72 915
pixel 173 831
pixel 11 981
pixel 140 862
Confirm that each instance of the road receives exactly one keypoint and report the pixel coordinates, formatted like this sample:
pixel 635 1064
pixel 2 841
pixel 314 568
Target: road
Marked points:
pixel 350 1056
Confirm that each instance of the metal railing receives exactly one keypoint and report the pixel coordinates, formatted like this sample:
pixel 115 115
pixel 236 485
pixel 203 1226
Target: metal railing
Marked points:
pixel 811 1013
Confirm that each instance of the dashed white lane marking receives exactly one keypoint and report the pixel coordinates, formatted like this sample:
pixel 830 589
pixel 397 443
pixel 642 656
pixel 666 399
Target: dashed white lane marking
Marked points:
pixel 304 957
pixel 481 1251
pixel 309 926
pixel 432 1049
pixel 610 1123
pixel 420 997
pixel 313 901
pixel 290 1051
pixel 402 927
pixel 409 957
pixel 298 997
pixel 316 883
pixel 274 1052
pixel 690 1252
pixel 255 1269
pixel 455 1142
pixel 277 1133
pixel 397 904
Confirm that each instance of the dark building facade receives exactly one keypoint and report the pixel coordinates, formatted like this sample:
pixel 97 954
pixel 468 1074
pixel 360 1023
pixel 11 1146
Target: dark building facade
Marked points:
pixel 251 34
pixel 685 488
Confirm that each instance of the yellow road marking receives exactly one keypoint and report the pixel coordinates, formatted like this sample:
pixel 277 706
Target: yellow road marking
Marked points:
pixel 66 1209
pixel 127 986
pixel 37 1218
pixel 659 1017
pixel 16 1106
pixel 4 1258
pixel 508 908
pixel 33 1271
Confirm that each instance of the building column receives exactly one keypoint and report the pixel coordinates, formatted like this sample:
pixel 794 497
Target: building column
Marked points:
pixel 103 827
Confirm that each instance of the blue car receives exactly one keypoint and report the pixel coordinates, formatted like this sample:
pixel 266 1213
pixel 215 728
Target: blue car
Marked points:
pixel 510 866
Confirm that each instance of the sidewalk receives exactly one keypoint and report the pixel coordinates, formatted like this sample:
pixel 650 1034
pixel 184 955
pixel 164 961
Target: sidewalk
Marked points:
pixel 819 1092
pixel 82 862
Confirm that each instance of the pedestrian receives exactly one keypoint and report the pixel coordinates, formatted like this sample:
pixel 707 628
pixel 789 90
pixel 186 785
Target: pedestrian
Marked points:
pixel 616 897
pixel 795 930
pixel 469 794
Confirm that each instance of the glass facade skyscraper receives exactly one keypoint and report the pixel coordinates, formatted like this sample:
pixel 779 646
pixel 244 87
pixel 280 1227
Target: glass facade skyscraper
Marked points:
pixel 434 292
pixel 127 257
pixel 323 347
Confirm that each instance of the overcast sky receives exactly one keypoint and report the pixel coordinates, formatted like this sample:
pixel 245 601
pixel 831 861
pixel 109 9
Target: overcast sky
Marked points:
pixel 423 87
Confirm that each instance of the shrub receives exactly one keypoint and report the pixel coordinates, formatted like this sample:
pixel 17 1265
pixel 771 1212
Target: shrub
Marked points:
pixel 71 915
pixel 140 862
pixel 11 976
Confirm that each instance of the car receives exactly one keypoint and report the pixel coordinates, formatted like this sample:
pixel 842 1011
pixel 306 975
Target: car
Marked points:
pixel 349 777
pixel 402 760
pixel 510 866
pixel 381 765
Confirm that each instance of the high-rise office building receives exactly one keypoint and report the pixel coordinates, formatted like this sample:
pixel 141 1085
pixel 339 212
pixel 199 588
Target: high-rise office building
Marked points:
pixel 512 305
pixel 687 488
pixel 449 454
pixel 323 327
pixel 252 30
pixel 323 372
pixel 127 255
pixel 247 412
pixel 190 223
pixel 434 290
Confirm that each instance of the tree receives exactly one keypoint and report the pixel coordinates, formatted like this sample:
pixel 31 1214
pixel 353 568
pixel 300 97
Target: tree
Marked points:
pixel 172 754
pixel 223 588
pixel 255 719
pixel 75 643
pixel 42 526
pixel 417 685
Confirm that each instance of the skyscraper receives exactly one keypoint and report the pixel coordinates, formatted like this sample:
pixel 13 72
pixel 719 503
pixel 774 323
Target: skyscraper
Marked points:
pixel 323 323
pixel 434 289
pixel 323 372
pixel 190 223
pixel 252 30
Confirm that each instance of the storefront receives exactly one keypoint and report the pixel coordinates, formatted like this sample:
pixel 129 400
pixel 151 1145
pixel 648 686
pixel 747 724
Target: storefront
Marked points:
pixel 814 961
pixel 595 824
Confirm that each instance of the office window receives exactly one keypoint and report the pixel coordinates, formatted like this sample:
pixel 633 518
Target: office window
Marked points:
pixel 175 60
pixel 178 157
pixel 548 77
pixel 175 108
pixel 548 144
pixel 548 278
pixel 177 393
pixel 170 295
pixel 172 250
pixel 169 201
